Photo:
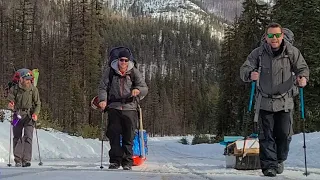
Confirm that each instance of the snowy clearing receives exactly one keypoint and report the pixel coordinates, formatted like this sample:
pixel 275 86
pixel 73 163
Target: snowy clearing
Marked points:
pixel 67 157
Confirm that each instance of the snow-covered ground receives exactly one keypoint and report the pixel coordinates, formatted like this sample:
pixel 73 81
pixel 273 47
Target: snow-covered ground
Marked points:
pixel 66 157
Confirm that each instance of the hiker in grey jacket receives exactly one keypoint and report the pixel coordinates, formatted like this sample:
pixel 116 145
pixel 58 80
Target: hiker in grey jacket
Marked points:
pixel 272 65
pixel 127 84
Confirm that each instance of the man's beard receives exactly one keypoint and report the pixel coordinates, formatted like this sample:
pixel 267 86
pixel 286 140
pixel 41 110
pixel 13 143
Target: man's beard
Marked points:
pixel 25 84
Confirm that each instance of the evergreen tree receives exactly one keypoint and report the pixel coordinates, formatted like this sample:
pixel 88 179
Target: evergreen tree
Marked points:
pixel 303 18
pixel 240 40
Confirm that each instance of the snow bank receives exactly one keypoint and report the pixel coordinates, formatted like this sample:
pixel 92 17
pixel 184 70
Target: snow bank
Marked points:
pixel 296 153
pixel 215 151
pixel 53 145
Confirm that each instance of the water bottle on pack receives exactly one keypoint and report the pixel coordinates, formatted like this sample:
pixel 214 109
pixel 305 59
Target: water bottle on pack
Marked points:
pixel 16 118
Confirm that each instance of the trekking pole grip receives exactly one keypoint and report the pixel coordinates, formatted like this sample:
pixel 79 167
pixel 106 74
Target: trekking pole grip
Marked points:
pixel 137 99
pixel 301 102
pixel 253 85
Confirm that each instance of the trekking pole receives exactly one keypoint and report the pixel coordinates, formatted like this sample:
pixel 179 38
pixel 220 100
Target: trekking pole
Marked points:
pixel 35 127
pixel 258 99
pixel 253 86
pixel 255 124
pixel 304 136
pixel 10 137
pixel 102 137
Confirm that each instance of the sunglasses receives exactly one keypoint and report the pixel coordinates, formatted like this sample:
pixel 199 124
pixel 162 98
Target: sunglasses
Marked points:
pixel 122 60
pixel 271 35
pixel 27 75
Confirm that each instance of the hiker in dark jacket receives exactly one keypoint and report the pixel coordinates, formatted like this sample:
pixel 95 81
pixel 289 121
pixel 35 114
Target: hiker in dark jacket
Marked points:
pixel 122 107
pixel 279 61
pixel 24 99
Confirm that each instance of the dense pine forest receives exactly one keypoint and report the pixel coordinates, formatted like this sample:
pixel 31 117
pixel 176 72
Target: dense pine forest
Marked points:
pixel 193 78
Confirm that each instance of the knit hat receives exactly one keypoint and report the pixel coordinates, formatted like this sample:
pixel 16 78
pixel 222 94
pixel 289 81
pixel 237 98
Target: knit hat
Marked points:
pixel 124 53
pixel 26 74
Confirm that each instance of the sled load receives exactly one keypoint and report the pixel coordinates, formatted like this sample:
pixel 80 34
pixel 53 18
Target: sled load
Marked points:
pixel 140 148
pixel 241 153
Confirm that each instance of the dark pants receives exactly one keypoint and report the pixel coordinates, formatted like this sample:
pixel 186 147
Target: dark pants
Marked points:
pixel 274 138
pixel 121 122
pixel 22 145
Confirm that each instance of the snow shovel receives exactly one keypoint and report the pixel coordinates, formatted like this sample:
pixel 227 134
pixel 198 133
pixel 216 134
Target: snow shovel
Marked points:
pixel 143 155
pixel 138 160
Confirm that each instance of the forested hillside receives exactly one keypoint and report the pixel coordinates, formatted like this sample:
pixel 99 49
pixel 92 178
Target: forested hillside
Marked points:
pixel 69 41
pixel 193 77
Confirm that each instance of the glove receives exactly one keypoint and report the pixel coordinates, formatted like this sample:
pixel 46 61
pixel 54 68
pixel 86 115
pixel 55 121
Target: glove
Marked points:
pixel 34 117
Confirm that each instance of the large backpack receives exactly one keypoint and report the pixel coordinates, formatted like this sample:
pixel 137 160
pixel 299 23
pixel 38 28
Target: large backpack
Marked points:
pixel 289 38
pixel 114 54
pixel 16 77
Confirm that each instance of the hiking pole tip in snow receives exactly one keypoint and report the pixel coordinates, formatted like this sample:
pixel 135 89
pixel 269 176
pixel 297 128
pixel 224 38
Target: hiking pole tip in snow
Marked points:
pixel 35 127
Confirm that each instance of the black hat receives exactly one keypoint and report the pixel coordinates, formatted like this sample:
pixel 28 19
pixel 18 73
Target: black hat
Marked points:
pixel 124 53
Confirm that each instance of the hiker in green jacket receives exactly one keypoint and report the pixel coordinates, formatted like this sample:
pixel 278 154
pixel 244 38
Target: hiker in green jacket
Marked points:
pixel 278 67
pixel 24 100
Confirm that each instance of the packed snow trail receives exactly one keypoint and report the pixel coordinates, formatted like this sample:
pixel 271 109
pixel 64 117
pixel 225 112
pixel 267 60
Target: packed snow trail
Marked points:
pixel 165 161
pixel 68 157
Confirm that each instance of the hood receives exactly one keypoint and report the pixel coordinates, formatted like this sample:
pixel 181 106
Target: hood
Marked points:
pixel 114 65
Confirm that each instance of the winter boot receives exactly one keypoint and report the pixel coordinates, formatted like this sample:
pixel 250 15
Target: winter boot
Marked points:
pixel 18 164
pixel 280 168
pixel 114 166
pixel 270 172
pixel 26 164
pixel 127 167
